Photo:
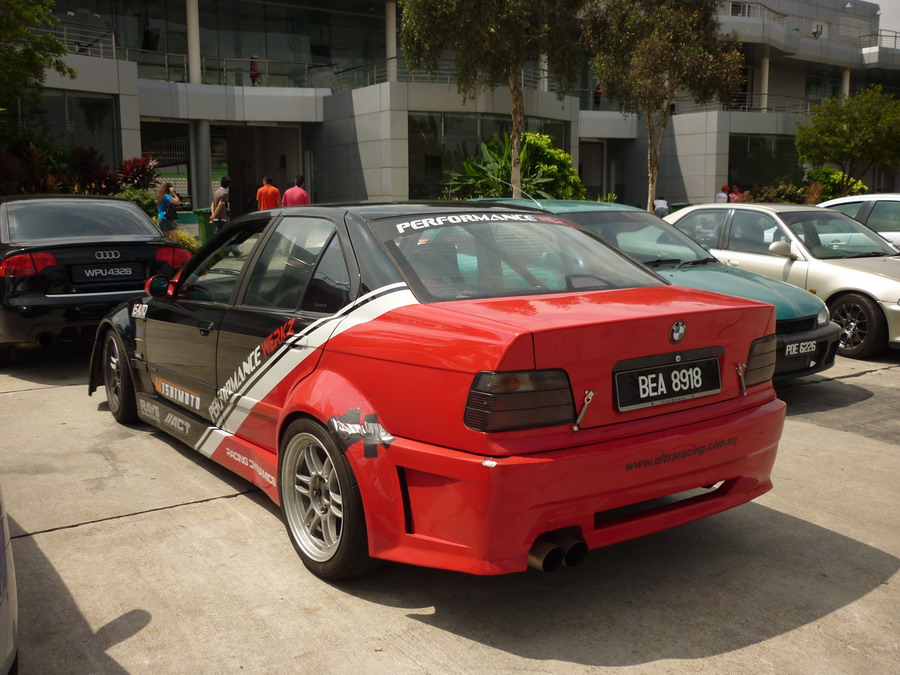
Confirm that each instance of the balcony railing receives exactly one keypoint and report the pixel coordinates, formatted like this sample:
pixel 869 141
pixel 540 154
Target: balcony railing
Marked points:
pixel 748 103
pixel 96 41
pixel 888 39
pixel 755 10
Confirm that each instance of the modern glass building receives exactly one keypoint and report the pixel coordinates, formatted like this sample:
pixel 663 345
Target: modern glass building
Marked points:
pixel 293 86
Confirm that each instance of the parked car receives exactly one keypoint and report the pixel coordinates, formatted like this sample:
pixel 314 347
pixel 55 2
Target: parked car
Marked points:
pixel 879 211
pixel 452 385
pixel 806 339
pixel 66 260
pixel 9 607
pixel 855 271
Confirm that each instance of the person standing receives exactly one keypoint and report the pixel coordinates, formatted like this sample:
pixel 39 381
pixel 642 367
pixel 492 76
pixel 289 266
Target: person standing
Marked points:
pixel 268 196
pixel 296 196
pixel 722 195
pixel 736 194
pixel 255 75
pixel 166 201
pixel 219 211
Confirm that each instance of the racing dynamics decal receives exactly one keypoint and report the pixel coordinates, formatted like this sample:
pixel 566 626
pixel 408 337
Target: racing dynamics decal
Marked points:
pixel 348 431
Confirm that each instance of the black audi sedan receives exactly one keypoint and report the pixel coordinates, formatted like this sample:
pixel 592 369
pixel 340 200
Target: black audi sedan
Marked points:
pixel 66 260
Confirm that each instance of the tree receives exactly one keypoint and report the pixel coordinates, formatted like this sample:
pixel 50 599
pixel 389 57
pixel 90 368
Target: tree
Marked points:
pixel 491 42
pixel 546 172
pixel 645 52
pixel 854 132
pixel 26 55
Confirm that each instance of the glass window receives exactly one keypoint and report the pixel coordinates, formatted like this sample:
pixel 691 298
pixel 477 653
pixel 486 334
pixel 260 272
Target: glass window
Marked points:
pixel 847 208
pixel 216 276
pixel 468 256
pixel 751 232
pixel 704 226
pixel 828 234
pixel 287 262
pixel 329 289
pixel 884 217
pixel 81 218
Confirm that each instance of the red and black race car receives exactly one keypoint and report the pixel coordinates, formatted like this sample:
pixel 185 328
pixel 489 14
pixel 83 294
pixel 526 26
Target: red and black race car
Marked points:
pixel 451 385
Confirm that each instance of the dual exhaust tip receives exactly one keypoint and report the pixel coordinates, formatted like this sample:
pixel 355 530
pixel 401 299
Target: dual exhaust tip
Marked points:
pixel 553 549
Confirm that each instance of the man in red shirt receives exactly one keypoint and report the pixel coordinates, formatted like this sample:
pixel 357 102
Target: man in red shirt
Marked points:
pixel 268 196
pixel 296 196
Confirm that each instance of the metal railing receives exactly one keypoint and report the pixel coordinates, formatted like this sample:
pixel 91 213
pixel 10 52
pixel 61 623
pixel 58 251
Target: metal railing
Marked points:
pixel 157 65
pixel 889 39
pixel 749 103
pixel 755 10
pixel 265 73
pixel 96 41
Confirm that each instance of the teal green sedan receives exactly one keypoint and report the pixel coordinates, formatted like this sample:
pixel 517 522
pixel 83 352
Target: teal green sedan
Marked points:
pixel 807 340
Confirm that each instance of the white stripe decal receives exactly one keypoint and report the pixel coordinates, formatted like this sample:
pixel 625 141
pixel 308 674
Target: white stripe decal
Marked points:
pixel 294 351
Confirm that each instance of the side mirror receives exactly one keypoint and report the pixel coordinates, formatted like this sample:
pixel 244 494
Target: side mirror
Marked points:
pixel 782 248
pixel 157 286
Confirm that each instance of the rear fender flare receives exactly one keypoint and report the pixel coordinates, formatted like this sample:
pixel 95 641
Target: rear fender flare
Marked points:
pixel 337 404
pixel 119 320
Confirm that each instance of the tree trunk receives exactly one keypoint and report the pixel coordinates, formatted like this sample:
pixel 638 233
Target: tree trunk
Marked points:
pixel 656 129
pixel 518 123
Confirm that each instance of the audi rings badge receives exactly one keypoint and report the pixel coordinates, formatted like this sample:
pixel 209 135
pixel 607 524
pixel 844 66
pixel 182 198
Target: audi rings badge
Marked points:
pixel 107 255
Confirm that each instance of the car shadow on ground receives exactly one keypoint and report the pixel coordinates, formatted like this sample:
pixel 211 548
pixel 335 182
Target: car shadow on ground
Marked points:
pixel 48 613
pixel 703 589
pixel 56 365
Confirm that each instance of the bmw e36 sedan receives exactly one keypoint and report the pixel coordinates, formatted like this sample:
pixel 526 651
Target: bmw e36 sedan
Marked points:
pixel 458 386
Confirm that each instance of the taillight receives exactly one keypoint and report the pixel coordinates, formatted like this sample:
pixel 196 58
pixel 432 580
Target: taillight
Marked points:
pixel 760 361
pixel 176 257
pixel 524 399
pixel 25 264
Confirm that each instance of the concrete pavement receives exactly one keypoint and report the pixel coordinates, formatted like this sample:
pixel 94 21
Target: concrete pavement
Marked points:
pixel 135 554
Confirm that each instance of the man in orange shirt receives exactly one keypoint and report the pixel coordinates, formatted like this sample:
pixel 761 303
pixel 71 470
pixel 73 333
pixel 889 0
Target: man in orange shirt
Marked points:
pixel 268 196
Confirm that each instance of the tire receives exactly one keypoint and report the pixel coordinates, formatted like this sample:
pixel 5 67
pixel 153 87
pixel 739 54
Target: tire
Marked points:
pixel 320 501
pixel 863 326
pixel 117 380
pixel 5 355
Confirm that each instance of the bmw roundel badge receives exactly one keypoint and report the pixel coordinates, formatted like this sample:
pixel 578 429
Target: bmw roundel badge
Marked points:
pixel 677 332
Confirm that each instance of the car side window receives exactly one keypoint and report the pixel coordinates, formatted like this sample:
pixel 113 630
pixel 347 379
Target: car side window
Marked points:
pixel 884 217
pixel 704 226
pixel 216 276
pixel 848 208
pixel 286 264
pixel 752 232
pixel 329 289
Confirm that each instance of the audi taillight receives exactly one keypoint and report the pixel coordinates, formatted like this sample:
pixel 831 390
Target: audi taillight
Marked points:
pixel 524 399
pixel 760 361
pixel 176 257
pixel 25 264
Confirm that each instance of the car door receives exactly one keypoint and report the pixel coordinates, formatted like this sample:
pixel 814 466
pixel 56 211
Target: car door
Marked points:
pixel 747 240
pixel 181 331
pixel 276 330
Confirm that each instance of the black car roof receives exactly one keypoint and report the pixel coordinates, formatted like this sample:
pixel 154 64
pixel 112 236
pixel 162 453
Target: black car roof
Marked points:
pixel 58 196
pixel 379 210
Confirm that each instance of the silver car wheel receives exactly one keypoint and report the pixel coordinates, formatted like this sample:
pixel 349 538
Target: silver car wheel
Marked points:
pixel 112 373
pixel 313 501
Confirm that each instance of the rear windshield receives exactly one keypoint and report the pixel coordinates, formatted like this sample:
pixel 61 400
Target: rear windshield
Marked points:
pixel 78 219
pixel 829 235
pixel 487 255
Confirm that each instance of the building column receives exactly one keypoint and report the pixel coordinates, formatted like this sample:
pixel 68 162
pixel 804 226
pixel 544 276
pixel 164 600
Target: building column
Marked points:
pixel 390 39
pixel 764 79
pixel 201 164
pixel 845 82
pixel 195 70
pixel 544 73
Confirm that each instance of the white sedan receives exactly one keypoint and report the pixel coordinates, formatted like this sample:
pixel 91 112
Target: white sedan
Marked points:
pixel 853 269
pixel 879 211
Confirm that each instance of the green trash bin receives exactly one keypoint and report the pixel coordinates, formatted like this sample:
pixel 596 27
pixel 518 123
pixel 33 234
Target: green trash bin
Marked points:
pixel 204 227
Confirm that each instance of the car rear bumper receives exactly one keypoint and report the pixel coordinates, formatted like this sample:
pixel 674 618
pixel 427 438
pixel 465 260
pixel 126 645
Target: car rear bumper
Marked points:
pixel 472 514
pixel 65 317
pixel 796 356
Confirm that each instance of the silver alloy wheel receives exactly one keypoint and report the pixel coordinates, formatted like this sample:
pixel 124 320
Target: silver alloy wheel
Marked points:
pixel 854 324
pixel 313 503
pixel 112 373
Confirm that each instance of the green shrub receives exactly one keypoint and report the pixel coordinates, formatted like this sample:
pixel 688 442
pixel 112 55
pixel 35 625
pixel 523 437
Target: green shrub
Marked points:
pixel 143 198
pixel 831 180
pixel 782 193
pixel 187 240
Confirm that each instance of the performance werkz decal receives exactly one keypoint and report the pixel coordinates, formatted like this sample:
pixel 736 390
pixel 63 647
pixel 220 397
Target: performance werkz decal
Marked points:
pixel 348 431
pixel 268 347
pixel 423 223
pixel 259 376
pixel 176 393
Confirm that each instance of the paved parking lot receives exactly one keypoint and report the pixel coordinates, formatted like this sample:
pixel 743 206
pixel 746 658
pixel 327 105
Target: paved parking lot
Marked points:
pixel 136 555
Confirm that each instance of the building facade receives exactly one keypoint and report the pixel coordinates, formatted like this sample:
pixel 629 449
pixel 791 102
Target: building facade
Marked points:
pixel 285 87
